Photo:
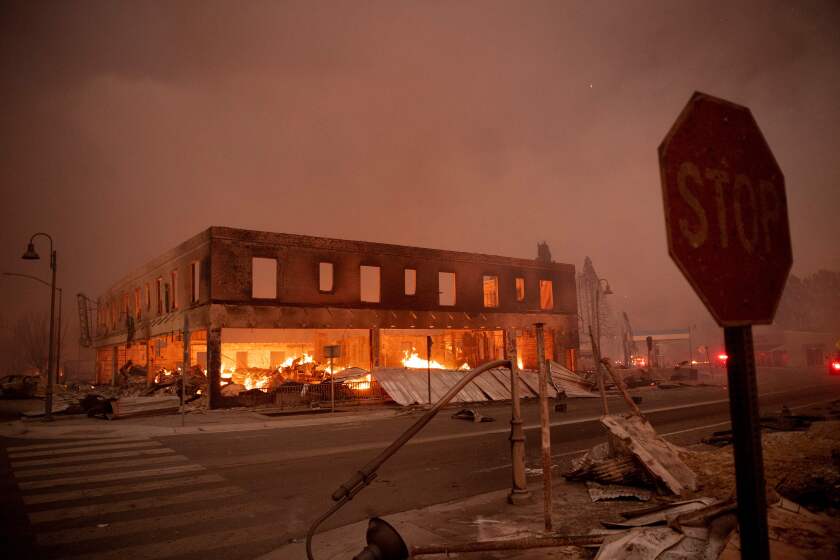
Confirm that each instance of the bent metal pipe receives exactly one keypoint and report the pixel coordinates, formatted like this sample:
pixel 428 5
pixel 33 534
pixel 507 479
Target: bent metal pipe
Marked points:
pixel 367 474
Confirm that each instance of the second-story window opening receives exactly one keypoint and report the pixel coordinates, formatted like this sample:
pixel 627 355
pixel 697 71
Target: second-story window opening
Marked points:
pixel 195 270
pixel 369 284
pixel 159 286
pixel 325 277
pixel 520 289
pixel 490 285
pixel 546 294
pixel 174 284
pixel 263 278
pixel 410 281
pixel 137 306
pixel 446 288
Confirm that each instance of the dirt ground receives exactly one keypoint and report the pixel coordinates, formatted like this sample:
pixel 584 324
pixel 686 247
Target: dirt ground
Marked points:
pixel 803 467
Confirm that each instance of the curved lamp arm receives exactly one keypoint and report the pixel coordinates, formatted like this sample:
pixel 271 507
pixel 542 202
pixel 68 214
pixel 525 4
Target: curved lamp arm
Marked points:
pixel 367 474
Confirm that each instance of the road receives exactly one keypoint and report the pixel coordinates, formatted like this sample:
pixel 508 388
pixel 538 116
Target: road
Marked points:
pixel 239 495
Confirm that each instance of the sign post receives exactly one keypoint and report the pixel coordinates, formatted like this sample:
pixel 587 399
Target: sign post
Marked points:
pixel 331 352
pixel 727 227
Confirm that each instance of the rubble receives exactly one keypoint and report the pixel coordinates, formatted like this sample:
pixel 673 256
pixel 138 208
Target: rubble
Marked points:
pixel 143 406
pixel 471 415
pixel 798 465
pixel 659 458
pixel 634 454
pixel 599 492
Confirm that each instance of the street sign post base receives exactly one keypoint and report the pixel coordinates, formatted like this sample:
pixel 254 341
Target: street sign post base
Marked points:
pixel 746 430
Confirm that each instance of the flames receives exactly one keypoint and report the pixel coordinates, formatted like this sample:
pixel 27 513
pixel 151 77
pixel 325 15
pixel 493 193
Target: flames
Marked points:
pixel 361 383
pixel 413 360
pixel 294 360
pixel 256 382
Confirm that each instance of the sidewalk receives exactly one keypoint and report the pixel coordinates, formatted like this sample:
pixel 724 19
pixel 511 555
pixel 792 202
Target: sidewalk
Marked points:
pixel 211 421
pixel 479 518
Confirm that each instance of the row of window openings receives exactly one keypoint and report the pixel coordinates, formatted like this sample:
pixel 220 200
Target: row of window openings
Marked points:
pixel 264 284
pixel 167 296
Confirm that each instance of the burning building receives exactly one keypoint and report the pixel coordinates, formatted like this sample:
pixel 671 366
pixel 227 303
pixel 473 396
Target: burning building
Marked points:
pixel 264 308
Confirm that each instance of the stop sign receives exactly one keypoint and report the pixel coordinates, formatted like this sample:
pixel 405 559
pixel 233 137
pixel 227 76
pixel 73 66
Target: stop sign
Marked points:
pixel 725 210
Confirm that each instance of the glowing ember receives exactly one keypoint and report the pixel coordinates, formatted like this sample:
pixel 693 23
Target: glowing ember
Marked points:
pixel 519 364
pixel 465 367
pixel 413 360
pixel 359 383
pixel 163 375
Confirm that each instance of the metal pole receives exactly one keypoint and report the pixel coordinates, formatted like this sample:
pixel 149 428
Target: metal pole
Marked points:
pixel 332 387
pixel 367 474
pixel 599 371
pixel 429 367
pixel 598 315
pixel 51 352
pixel 517 544
pixel 184 369
pixel 58 341
pixel 545 428
pixel 519 493
pixel 690 348
pixel 746 429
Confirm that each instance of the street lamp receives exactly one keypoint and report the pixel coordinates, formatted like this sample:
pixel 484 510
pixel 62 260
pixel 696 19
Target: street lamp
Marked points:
pixel 31 255
pixel 60 307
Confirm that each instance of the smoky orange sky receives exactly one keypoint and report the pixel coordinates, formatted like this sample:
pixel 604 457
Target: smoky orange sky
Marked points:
pixel 472 125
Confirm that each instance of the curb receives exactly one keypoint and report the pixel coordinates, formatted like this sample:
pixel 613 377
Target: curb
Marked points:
pixel 100 428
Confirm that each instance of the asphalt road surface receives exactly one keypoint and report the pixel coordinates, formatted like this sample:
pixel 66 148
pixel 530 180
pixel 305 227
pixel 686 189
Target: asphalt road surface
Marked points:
pixel 242 494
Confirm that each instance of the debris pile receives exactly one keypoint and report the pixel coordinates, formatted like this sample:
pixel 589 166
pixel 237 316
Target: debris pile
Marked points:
pixel 802 472
pixel 133 396
pixel 634 455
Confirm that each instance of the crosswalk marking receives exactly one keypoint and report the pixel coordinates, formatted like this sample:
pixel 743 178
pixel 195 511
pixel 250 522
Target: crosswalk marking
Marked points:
pixel 67 451
pixel 146 486
pixel 91 457
pixel 133 505
pixel 84 498
pixel 76 443
pixel 35 484
pixel 152 524
pixel 98 466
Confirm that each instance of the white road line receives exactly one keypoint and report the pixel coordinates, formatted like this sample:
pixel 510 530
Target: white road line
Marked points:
pixel 668 434
pixel 98 466
pixel 194 544
pixel 152 525
pixel 91 457
pixel 36 484
pixel 93 510
pixel 79 442
pixel 145 486
pixel 83 449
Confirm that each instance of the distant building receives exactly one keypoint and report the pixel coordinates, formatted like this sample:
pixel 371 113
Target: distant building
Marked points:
pixel 258 300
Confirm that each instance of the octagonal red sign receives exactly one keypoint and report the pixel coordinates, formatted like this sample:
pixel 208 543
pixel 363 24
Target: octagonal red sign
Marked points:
pixel 726 210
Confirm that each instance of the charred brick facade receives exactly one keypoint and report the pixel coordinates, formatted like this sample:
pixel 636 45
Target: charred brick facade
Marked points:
pixel 211 278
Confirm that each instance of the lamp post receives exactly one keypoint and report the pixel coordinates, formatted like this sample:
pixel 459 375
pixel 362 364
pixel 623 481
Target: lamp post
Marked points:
pixel 32 255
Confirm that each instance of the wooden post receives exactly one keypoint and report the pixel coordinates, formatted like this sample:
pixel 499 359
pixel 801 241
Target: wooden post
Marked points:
pixel 519 493
pixel 545 427
pixel 214 366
